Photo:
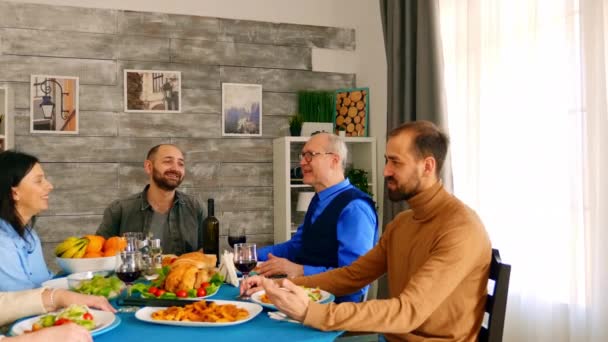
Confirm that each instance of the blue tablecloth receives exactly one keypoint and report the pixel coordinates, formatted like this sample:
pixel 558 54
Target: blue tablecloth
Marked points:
pixel 261 329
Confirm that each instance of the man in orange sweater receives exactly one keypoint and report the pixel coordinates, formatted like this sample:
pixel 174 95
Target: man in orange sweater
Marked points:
pixel 436 256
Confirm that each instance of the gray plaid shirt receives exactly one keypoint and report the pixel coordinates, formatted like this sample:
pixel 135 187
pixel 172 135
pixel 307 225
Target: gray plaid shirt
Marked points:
pixel 133 214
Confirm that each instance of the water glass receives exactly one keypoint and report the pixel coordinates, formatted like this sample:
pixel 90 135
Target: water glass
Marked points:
pixel 156 253
pixel 155 247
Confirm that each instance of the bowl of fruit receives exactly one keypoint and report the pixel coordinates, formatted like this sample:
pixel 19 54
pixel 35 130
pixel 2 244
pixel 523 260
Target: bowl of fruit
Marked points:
pixel 89 253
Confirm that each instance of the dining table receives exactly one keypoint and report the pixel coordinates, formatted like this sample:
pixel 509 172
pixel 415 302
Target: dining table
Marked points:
pixel 260 328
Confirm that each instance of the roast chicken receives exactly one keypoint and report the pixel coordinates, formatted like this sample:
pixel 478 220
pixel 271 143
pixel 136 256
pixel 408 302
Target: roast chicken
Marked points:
pixel 190 270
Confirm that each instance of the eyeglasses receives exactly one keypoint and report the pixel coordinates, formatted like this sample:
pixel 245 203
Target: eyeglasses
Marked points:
pixel 308 155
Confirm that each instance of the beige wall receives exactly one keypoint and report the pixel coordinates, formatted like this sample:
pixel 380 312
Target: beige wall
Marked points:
pixel 368 61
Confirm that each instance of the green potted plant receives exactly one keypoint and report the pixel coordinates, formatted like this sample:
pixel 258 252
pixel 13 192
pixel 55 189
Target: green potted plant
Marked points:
pixel 358 178
pixel 316 106
pixel 295 125
pixel 317 110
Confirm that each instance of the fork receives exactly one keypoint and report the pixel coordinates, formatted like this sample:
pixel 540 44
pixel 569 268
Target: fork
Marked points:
pixel 279 316
pixel 243 297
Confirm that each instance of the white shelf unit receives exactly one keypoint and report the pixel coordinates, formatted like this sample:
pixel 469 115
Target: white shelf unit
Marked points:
pixel 6 122
pixel 361 154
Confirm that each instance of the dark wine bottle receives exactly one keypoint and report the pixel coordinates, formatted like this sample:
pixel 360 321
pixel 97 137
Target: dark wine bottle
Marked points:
pixel 211 232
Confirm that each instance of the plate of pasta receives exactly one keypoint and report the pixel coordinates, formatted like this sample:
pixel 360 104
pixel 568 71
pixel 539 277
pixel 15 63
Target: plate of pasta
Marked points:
pixel 315 294
pixel 215 313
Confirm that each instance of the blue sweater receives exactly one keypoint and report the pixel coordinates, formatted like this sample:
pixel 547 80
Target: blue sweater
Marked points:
pixel 356 232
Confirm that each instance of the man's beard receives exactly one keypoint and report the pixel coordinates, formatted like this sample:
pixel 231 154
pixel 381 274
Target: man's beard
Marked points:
pixel 402 194
pixel 164 183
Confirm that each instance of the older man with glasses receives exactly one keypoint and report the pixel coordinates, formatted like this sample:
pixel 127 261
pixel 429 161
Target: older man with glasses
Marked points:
pixel 340 224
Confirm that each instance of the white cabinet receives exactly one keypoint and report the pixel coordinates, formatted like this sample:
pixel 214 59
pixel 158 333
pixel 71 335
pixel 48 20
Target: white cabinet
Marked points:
pixel 6 119
pixel 286 150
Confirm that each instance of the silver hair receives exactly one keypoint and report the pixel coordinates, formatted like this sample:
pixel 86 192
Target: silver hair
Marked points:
pixel 337 145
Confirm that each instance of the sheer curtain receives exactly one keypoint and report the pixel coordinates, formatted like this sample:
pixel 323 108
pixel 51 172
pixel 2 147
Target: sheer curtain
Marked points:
pixel 594 20
pixel 526 103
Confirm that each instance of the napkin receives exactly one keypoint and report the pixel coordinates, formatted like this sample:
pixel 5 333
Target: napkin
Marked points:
pixel 227 269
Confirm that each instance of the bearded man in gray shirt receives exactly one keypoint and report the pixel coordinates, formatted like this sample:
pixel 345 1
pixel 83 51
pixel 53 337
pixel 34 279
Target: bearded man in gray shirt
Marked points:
pixel 160 209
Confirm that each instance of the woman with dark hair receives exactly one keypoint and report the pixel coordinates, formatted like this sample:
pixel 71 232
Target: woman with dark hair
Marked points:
pixel 24 193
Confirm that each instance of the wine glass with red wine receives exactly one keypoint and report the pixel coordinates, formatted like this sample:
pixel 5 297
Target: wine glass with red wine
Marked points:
pixel 236 235
pixel 245 258
pixel 129 268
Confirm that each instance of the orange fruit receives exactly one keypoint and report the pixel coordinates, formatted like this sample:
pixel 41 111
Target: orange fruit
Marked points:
pixel 96 243
pixel 110 252
pixel 115 243
pixel 93 255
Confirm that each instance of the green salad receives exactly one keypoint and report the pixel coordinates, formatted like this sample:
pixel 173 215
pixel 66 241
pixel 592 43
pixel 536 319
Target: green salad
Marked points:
pixel 100 286
pixel 78 314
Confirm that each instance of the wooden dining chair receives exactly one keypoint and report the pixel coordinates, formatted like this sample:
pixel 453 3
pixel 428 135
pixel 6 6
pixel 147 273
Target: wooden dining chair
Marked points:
pixel 496 302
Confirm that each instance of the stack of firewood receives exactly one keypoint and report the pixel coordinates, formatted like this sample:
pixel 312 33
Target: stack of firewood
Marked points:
pixel 350 112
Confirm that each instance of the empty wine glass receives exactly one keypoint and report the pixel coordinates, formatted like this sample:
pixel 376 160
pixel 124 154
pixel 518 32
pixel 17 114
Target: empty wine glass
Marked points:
pixel 134 240
pixel 236 235
pixel 245 258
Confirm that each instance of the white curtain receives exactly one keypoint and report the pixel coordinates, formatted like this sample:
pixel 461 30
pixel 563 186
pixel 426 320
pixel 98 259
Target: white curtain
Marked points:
pixel 526 102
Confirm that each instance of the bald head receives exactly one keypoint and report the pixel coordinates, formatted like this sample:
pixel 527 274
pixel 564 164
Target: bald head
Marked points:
pixel 165 165
pixel 154 150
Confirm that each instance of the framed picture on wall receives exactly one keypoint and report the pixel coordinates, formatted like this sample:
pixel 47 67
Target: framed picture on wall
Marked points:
pixel 352 112
pixel 153 91
pixel 241 109
pixel 54 104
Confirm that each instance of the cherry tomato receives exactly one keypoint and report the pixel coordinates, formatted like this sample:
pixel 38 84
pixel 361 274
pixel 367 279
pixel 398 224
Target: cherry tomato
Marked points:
pixel 62 321
pixel 181 294
pixel 205 285
pixel 87 316
pixel 160 292
pixel 153 290
pixel 201 292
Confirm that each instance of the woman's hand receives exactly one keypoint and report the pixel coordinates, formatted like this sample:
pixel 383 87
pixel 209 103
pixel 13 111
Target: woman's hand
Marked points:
pixel 62 333
pixel 63 298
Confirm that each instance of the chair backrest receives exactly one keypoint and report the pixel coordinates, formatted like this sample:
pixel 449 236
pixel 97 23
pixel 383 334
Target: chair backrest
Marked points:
pixel 496 303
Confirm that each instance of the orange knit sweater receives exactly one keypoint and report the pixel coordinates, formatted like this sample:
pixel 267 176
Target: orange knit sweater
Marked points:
pixel 436 256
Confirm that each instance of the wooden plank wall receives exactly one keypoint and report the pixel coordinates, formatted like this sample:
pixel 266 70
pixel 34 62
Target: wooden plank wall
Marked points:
pixel 104 161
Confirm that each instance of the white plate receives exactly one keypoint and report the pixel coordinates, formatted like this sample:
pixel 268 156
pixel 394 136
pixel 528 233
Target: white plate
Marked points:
pixel 326 297
pixel 145 314
pixel 104 320
pixel 57 283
